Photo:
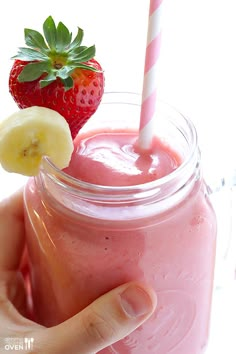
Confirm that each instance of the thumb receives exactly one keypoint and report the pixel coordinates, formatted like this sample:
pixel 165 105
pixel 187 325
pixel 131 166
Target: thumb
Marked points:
pixel 107 320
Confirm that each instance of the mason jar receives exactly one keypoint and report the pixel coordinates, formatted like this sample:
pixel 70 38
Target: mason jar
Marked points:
pixel 85 239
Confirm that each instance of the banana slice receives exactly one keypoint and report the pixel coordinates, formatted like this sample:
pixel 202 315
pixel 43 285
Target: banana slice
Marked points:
pixel 31 133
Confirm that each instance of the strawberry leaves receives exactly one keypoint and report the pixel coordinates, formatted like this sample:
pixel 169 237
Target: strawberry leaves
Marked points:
pixel 34 39
pixel 78 39
pixel 28 54
pixel 63 37
pixel 54 55
pixel 50 33
pixel 33 71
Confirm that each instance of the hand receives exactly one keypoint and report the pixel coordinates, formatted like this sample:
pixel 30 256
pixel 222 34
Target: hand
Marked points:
pixel 105 321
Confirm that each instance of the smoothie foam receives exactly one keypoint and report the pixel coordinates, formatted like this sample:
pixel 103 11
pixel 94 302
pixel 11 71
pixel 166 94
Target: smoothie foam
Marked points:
pixel 112 158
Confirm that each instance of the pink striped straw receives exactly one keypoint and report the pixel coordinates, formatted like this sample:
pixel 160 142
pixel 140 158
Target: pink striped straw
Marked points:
pixel 149 93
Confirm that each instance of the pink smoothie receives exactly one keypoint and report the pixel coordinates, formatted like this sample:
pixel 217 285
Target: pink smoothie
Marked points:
pixel 113 159
pixel 77 257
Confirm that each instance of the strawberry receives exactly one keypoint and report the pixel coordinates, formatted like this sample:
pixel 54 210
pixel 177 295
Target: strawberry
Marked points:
pixel 58 73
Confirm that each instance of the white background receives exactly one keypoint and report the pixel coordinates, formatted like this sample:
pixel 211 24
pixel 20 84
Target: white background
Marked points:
pixel 197 72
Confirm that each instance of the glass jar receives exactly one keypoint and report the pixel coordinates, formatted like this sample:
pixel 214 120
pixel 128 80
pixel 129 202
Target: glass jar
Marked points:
pixel 85 239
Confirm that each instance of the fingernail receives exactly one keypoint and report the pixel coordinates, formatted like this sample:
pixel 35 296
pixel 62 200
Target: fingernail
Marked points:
pixel 136 302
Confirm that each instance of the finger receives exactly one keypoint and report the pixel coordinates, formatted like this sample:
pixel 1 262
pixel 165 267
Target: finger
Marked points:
pixel 12 292
pixel 11 231
pixel 105 321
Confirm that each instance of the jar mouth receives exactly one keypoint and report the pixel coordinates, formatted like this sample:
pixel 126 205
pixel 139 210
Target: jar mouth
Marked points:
pixel 182 173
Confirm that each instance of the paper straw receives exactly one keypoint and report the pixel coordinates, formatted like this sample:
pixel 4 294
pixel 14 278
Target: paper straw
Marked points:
pixel 149 93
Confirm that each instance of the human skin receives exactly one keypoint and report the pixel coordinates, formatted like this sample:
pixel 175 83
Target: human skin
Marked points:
pixel 105 321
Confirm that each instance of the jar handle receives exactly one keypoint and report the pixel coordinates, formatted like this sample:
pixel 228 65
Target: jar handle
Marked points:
pixel 223 197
